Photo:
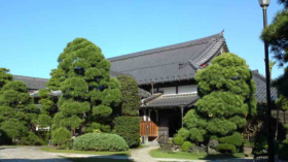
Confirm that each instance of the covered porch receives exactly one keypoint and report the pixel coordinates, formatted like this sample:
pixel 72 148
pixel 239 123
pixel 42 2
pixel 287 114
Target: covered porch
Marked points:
pixel 162 115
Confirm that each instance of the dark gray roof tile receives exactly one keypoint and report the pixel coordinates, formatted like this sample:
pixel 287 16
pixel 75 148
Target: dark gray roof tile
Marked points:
pixel 170 63
pixel 261 88
pixel 172 100
pixel 32 83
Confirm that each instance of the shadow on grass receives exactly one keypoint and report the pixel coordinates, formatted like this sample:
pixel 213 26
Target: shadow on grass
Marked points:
pixel 225 156
pixel 157 153
pixel 108 158
pixel 100 153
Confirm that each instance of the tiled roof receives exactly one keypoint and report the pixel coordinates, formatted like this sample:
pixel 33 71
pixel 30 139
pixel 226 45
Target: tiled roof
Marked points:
pixel 32 83
pixel 172 100
pixel 169 63
pixel 187 99
pixel 261 88
pixel 38 83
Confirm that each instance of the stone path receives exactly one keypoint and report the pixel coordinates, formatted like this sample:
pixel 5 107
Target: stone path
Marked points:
pixel 142 154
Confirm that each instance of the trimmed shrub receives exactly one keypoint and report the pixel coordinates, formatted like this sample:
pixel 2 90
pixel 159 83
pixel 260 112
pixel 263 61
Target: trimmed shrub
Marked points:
pixel 14 129
pixel 186 146
pixel 97 128
pixel 181 136
pixel 130 98
pixel 235 139
pixel 61 137
pixel 226 148
pixel 220 126
pixel 100 142
pixel 197 135
pixel 178 140
pixel 128 128
pixel 32 139
pixel 183 132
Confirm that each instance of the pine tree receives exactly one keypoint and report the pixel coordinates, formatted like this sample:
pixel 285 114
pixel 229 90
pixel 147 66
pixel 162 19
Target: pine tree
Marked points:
pixel 227 94
pixel 130 102
pixel 276 35
pixel 4 77
pixel 229 73
pixel 17 113
pixel 89 93
pixel 127 124
pixel 47 104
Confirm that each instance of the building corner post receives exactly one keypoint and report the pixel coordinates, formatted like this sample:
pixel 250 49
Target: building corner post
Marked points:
pixel 182 114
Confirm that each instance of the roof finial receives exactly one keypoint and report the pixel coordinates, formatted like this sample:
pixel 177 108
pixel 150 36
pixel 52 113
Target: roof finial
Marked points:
pixel 222 32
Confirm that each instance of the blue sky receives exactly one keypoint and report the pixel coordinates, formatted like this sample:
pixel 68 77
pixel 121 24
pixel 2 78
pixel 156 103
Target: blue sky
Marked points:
pixel 34 32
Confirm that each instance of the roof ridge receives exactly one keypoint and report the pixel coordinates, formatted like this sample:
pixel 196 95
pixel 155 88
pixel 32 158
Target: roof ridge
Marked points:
pixel 29 77
pixel 168 47
pixel 152 97
pixel 211 46
pixel 149 67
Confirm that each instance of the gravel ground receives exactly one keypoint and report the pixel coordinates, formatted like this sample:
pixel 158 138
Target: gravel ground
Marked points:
pixel 31 153
pixel 142 154
pixel 22 153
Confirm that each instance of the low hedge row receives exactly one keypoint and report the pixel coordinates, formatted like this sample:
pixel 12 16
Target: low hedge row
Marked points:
pixel 100 142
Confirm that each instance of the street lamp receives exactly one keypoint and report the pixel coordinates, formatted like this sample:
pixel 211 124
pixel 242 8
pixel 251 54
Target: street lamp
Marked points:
pixel 264 5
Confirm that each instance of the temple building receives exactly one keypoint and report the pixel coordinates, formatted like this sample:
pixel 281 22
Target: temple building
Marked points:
pixel 168 74
pixel 166 81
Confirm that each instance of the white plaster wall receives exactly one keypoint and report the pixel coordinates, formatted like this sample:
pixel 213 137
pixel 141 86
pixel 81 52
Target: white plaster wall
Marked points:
pixel 187 89
pixel 168 90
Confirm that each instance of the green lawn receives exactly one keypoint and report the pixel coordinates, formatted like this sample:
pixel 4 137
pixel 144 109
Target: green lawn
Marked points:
pixel 176 155
pixel 191 156
pixel 53 149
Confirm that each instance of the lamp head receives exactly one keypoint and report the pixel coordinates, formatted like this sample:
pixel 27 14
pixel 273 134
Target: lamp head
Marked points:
pixel 264 3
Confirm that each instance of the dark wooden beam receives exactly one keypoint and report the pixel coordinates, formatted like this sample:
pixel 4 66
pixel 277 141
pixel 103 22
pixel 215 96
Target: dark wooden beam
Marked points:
pixel 182 114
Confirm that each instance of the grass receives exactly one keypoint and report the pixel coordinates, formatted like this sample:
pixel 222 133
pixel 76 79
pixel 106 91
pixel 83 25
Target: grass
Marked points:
pixel 192 156
pixel 104 153
pixel 157 153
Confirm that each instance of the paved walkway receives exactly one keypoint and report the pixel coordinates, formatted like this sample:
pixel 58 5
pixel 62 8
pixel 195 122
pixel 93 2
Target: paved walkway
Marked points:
pixel 142 154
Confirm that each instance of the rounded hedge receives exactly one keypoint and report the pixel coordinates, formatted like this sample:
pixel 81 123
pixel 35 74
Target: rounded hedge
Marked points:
pixel 100 142
pixel 186 146
pixel 178 140
pixel 61 137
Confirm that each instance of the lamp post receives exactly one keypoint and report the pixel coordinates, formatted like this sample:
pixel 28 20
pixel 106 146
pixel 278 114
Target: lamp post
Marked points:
pixel 264 5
